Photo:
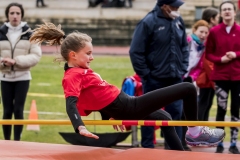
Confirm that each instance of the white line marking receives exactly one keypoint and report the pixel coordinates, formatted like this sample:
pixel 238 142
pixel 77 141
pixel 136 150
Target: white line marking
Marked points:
pixel 45 95
pixel 48 113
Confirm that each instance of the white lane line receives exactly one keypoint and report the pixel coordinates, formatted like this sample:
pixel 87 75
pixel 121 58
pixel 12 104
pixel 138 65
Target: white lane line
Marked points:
pixel 44 84
pixel 48 113
pixel 45 95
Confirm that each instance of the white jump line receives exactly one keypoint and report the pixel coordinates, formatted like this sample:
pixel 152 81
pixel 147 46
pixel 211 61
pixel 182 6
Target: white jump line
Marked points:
pixel 45 95
pixel 49 113
pixel 44 113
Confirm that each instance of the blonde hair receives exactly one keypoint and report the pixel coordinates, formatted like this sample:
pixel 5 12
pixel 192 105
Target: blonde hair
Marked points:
pixel 199 24
pixel 54 35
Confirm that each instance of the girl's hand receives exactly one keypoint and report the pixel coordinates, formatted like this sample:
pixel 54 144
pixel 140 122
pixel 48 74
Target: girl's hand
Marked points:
pixel 83 131
pixel 231 55
pixel 8 61
pixel 117 127
pixel 225 59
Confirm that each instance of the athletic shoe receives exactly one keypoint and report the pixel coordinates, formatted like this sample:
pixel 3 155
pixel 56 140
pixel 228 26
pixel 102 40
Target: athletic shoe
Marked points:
pixel 219 149
pixel 234 150
pixel 207 136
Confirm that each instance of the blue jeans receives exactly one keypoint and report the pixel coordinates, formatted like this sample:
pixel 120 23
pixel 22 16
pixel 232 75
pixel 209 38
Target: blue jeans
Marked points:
pixel 174 109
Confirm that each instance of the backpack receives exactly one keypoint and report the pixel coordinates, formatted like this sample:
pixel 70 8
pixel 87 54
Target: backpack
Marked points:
pixel 132 85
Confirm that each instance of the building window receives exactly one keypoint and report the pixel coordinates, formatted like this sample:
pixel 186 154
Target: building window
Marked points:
pixel 198 12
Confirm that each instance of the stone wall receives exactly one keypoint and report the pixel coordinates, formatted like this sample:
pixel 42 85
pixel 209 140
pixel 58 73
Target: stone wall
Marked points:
pixel 107 26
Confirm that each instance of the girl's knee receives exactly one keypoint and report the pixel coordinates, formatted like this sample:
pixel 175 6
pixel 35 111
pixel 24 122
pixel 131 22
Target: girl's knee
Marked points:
pixel 159 115
pixel 169 117
pixel 189 86
pixel 165 115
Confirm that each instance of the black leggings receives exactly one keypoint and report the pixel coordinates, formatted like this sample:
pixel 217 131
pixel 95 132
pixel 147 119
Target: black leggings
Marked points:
pixel 222 93
pixel 13 98
pixel 147 107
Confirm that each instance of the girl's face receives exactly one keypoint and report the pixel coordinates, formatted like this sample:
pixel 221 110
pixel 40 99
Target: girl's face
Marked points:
pixel 84 56
pixel 14 16
pixel 202 33
pixel 227 12
pixel 215 21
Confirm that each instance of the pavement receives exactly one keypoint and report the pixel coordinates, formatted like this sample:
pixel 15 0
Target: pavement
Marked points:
pixel 97 50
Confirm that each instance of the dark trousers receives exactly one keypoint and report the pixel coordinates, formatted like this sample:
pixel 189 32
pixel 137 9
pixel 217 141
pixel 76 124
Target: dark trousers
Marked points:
pixel 147 107
pixel 205 100
pixel 174 108
pixel 13 98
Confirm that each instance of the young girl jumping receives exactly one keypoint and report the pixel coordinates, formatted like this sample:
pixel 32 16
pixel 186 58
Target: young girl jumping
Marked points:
pixel 85 91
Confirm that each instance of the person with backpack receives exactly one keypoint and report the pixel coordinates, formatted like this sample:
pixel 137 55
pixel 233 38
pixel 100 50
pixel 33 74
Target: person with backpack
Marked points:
pixel 196 43
pixel 205 85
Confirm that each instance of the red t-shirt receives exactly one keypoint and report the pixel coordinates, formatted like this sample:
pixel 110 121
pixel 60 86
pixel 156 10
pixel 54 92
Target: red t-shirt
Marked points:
pixel 93 93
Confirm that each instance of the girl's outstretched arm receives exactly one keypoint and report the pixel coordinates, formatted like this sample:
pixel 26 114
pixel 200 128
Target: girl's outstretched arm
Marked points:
pixel 75 117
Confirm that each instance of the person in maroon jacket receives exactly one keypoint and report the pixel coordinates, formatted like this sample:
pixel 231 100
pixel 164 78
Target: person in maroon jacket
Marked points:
pixel 85 91
pixel 223 49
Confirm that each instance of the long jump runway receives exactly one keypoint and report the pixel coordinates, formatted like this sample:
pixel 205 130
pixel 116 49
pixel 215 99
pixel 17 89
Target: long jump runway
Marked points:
pixel 18 150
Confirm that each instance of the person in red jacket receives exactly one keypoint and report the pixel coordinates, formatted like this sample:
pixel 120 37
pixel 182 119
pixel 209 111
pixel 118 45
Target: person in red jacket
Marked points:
pixel 223 49
pixel 85 91
pixel 206 86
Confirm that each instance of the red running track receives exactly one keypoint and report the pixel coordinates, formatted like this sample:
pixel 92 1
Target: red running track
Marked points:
pixel 19 150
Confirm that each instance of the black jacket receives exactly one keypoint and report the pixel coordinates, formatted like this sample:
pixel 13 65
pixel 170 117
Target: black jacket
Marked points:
pixel 159 46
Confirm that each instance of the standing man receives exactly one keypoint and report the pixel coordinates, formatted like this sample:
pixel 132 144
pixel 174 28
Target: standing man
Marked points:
pixel 159 54
pixel 223 49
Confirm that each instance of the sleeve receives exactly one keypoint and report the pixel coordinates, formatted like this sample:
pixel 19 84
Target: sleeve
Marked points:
pixel 207 65
pixel 72 85
pixel 74 116
pixel 185 49
pixel 197 70
pixel 211 49
pixel 31 59
pixel 237 54
pixel 138 49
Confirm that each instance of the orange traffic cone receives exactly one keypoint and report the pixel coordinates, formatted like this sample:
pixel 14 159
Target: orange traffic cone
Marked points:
pixel 33 116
